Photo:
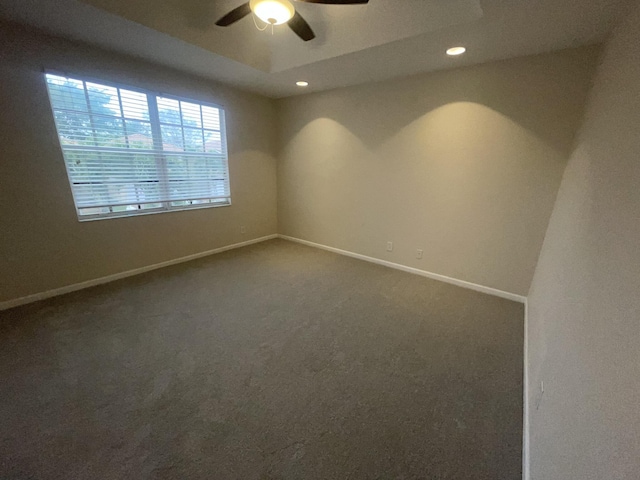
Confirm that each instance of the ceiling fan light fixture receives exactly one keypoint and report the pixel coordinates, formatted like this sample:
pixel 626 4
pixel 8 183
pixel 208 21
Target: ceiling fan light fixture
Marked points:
pixel 273 12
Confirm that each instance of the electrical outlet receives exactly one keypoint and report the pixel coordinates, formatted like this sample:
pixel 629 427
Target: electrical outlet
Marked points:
pixel 243 229
pixel 419 253
pixel 389 246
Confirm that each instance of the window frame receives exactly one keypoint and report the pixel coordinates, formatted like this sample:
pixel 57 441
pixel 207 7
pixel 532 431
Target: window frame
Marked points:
pixel 155 124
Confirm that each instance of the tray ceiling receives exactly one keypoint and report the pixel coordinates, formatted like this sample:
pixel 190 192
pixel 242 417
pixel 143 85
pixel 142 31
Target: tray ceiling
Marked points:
pixel 354 44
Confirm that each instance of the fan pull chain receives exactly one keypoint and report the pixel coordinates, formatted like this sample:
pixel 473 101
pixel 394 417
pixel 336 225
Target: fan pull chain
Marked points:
pixel 266 25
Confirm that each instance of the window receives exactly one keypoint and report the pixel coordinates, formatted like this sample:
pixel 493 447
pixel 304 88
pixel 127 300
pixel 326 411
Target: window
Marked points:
pixel 130 152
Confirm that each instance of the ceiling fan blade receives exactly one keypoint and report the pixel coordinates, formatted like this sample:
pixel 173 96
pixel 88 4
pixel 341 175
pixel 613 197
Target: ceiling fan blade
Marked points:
pixel 301 28
pixel 337 2
pixel 234 15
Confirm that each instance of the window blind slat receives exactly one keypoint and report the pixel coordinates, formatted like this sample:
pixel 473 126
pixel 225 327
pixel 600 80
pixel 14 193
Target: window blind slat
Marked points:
pixel 120 162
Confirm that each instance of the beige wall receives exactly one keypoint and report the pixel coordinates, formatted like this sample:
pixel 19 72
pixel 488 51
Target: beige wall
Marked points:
pixel 584 304
pixel 464 164
pixel 42 244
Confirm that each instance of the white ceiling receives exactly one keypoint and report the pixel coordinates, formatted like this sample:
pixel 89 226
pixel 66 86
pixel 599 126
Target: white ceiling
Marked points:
pixel 354 44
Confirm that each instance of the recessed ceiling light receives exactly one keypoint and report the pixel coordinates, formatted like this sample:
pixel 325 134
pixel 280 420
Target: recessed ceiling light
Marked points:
pixel 302 84
pixel 456 51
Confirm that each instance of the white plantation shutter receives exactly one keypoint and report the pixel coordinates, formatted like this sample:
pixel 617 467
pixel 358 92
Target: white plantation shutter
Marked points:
pixel 129 152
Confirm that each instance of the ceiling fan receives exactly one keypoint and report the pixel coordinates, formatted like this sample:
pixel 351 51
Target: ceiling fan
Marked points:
pixel 277 12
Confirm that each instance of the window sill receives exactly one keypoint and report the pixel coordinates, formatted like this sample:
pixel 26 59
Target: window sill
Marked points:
pixel 139 213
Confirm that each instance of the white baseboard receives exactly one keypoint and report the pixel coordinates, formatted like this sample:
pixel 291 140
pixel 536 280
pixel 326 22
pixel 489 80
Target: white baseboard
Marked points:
pixel 526 465
pixel 129 273
pixel 416 271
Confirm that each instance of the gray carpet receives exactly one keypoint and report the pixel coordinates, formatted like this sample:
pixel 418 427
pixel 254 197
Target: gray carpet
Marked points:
pixel 275 361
